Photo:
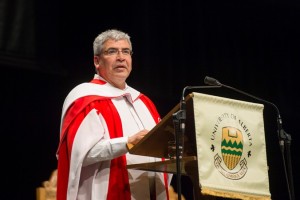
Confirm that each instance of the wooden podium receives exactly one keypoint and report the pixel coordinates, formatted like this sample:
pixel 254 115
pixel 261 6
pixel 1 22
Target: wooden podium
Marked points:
pixel 155 144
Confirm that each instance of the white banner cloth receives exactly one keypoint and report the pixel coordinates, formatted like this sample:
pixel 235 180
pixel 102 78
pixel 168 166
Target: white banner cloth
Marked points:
pixel 231 147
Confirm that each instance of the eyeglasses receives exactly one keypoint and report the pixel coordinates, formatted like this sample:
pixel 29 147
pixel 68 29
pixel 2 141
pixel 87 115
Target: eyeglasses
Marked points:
pixel 114 51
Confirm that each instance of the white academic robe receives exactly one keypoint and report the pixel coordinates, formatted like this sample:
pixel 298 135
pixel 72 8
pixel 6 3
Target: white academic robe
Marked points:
pixel 93 149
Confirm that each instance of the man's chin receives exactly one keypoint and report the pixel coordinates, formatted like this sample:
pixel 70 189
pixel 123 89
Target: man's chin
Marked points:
pixel 122 75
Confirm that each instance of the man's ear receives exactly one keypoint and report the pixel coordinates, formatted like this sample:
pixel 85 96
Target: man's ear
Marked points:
pixel 96 60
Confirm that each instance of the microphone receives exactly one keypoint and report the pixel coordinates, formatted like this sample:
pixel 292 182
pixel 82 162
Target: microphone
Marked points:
pixel 211 81
pixel 283 136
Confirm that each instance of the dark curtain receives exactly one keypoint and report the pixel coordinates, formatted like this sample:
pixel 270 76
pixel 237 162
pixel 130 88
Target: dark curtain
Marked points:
pixel 17 33
pixel 46 49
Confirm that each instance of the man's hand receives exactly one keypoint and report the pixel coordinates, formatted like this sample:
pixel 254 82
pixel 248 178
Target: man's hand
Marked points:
pixel 134 139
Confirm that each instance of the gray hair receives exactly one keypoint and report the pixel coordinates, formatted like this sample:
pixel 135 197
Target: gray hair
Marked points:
pixel 106 35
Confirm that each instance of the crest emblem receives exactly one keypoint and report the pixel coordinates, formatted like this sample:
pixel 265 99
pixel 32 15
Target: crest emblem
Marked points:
pixel 231 146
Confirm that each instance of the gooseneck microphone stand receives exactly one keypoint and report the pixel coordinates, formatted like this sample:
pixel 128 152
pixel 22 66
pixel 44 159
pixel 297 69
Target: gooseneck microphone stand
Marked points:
pixel 179 119
pixel 284 138
pixel 285 141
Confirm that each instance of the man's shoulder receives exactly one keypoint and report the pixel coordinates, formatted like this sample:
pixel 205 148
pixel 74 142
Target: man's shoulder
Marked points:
pixel 87 89
pixel 82 93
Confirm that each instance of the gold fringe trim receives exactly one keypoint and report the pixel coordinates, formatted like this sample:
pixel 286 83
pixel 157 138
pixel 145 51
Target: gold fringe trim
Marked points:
pixel 234 195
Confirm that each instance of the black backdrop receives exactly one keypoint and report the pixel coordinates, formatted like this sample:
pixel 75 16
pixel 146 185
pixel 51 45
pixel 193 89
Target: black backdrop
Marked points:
pixel 46 49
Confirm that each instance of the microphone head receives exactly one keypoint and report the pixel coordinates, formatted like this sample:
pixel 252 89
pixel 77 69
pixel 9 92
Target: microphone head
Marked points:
pixel 211 81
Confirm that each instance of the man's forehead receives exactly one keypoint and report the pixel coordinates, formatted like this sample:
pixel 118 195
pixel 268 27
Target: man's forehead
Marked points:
pixel 116 43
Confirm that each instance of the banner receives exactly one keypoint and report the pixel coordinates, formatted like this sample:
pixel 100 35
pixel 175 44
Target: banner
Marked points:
pixel 231 148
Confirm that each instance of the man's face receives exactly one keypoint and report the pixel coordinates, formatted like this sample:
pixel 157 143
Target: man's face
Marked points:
pixel 114 63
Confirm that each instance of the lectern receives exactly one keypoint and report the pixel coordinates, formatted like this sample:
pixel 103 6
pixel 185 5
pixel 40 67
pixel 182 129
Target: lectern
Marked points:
pixel 155 144
pixel 224 150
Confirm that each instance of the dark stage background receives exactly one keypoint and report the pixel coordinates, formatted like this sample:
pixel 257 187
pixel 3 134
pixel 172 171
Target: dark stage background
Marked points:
pixel 46 49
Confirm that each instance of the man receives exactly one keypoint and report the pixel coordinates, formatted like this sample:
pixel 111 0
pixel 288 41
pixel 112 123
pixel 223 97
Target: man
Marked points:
pixel 98 119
